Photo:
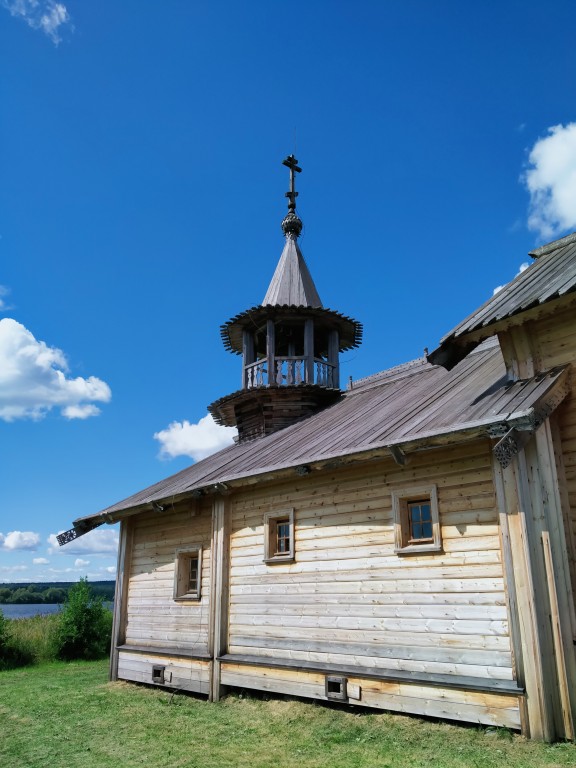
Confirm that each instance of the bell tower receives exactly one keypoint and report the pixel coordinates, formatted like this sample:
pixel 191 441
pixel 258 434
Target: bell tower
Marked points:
pixel 290 344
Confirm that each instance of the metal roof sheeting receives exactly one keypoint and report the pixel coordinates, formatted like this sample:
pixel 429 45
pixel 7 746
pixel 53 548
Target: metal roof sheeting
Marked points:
pixel 551 275
pixel 408 404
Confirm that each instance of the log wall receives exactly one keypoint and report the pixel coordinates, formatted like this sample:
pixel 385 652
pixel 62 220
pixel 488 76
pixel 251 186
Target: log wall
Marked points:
pixel 554 343
pixel 154 619
pixel 349 600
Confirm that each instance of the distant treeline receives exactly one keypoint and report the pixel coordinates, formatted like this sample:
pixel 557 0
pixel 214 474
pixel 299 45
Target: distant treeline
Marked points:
pixel 51 592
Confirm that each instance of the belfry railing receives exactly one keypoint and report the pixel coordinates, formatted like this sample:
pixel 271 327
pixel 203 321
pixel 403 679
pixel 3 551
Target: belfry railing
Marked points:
pixel 289 371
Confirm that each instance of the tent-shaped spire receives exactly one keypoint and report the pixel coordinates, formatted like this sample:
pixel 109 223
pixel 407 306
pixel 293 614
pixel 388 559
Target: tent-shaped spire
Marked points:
pixel 292 282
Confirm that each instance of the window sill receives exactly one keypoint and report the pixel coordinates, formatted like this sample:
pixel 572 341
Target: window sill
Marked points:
pixel 416 549
pixel 278 559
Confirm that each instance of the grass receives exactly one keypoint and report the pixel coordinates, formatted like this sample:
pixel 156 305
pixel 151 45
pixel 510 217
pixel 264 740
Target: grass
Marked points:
pixel 69 716
pixel 35 636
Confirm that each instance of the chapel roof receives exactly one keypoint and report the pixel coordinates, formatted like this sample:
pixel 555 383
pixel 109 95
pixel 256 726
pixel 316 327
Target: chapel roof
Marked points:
pixel 551 275
pixel 408 407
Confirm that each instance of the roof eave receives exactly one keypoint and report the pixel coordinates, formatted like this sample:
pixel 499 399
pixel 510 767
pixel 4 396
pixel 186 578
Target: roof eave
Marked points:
pixel 485 428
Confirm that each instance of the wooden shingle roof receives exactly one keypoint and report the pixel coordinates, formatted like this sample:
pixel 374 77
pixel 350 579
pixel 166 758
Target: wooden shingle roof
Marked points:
pixel 292 282
pixel 411 406
pixel 550 276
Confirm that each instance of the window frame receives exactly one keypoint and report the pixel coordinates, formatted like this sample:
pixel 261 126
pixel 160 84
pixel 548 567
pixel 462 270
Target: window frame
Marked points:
pixel 401 499
pixel 181 578
pixel 271 521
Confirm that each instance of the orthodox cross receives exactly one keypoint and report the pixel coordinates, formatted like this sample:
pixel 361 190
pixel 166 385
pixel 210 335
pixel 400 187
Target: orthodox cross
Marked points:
pixel 292 163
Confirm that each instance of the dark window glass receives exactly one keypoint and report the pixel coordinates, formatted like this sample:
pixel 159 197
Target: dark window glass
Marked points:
pixel 282 537
pixel 420 520
pixel 193 573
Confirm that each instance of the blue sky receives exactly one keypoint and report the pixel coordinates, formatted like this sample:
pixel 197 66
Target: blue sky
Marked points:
pixel 141 194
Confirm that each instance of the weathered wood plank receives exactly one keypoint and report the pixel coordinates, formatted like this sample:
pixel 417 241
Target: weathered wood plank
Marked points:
pixel 452 655
pixel 379 663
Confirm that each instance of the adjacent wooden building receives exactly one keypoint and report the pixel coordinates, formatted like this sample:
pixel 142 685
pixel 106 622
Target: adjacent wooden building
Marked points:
pixel 408 544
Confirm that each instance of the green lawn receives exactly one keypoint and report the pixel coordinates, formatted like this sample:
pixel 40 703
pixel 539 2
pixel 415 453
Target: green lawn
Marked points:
pixel 68 716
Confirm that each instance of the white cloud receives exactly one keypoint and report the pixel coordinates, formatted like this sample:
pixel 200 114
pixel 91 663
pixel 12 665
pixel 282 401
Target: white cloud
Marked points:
pixel 13 568
pixel 551 181
pixel 109 569
pixel 3 293
pixel 40 561
pixel 194 440
pixel 20 540
pixel 521 269
pixel 93 543
pixel 80 411
pixel 79 563
pixel 46 15
pixel 33 379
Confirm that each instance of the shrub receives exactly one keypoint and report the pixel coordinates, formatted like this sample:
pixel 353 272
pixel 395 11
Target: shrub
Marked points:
pixel 85 626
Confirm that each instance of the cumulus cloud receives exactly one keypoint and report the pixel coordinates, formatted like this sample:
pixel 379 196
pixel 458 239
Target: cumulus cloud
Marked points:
pixel 551 181
pixel 40 561
pixel 94 543
pixel 80 411
pixel 13 568
pixel 521 269
pixel 46 15
pixel 109 569
pixel 194 440
pixel 20 540
pixel 79 563
pixel 33 379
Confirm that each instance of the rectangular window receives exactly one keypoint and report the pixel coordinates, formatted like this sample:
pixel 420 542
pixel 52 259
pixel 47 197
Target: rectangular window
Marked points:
pixel 420 521
pixel 279 536
pixel 416 520
pixel 188 573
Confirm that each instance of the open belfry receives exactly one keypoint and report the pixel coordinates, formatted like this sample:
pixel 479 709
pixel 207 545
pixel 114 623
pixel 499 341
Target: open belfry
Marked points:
pixel 407 544
pixel 289 345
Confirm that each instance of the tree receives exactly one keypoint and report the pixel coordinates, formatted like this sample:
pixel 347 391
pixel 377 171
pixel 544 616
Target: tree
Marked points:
pixel 26 595
pixel 85 626
pixel 54 595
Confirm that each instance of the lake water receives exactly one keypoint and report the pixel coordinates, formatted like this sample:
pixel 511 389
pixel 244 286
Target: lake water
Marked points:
pixel 25 611
pixel 33 609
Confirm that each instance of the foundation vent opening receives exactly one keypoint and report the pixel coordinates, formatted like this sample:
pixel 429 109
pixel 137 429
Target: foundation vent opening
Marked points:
pixel 158 673
pixel 336 688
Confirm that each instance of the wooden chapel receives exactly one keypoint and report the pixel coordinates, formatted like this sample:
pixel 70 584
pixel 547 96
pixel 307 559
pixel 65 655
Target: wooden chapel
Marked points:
pixel 407 544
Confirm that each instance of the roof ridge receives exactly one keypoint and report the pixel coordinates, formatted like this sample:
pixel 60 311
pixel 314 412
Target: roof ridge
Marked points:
pixel 389 372
pixel 412 366
pixel 553 246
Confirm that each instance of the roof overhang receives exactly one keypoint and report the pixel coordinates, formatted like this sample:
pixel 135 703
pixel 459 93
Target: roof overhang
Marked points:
pixel 350 330
pixel 455 347
pixel 549 390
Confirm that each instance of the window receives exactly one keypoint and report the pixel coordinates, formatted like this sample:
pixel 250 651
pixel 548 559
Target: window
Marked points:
pixel 279 536
pixel 188 574
pixel 416 523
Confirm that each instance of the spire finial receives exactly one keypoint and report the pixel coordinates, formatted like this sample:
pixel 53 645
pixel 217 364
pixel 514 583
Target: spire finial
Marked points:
pixel 291 224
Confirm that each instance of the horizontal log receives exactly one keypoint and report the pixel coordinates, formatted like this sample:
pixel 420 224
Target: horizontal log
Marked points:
pixel 451 655
pixel 403 679
pixel 379 663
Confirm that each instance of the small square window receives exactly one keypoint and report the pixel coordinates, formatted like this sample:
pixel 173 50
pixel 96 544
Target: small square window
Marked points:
pixel 188 574
pixel 416 522
pixel 279 536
